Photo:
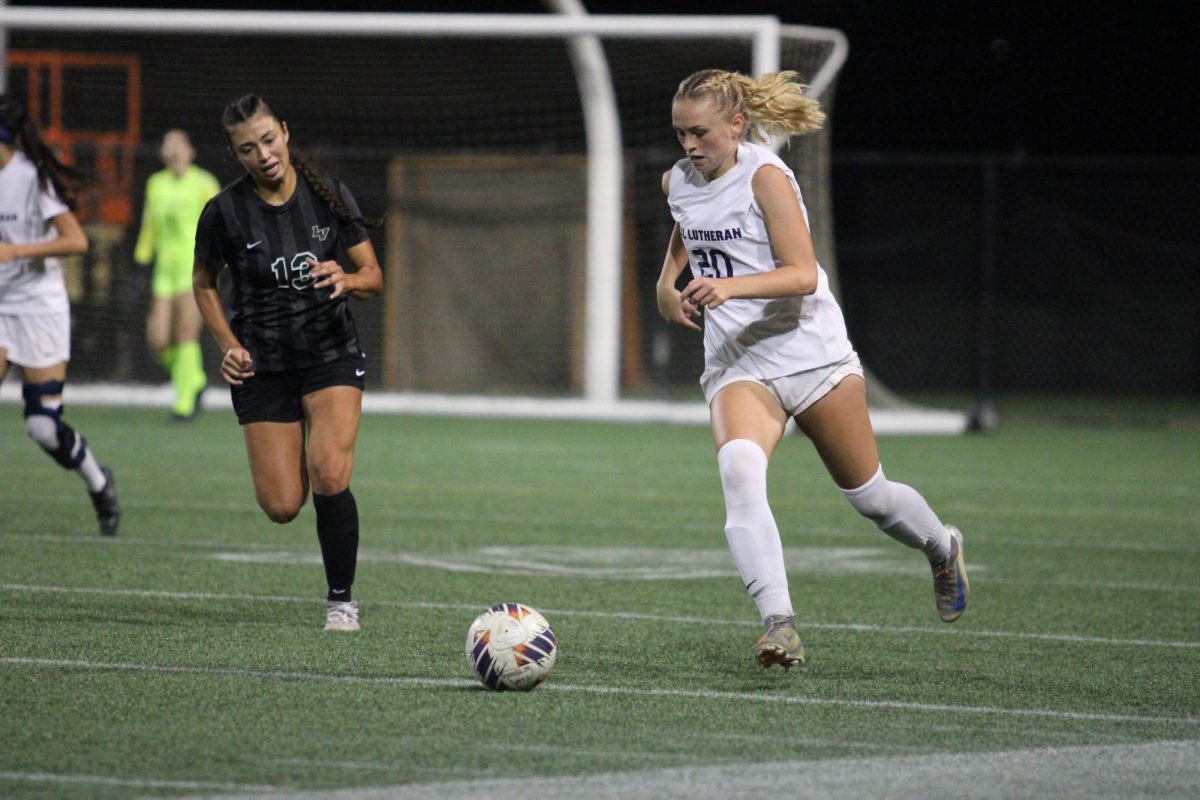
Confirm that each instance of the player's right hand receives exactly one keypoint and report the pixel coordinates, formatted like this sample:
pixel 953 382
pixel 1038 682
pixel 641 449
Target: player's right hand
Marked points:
pixel 237 366
pixel 675 308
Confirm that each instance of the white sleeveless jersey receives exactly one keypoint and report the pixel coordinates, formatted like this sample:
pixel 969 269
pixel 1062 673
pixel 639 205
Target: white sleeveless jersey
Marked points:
pixel 725 235
pixel 29 285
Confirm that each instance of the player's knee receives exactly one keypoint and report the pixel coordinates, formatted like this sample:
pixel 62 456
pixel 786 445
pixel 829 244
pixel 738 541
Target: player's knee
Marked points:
pixel 44 424
pixel 280 511
pixel 43 430
pixel 743 467
pixel 329 476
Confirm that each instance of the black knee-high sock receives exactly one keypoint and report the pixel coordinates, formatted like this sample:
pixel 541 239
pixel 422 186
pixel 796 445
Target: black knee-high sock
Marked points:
pixel 337 530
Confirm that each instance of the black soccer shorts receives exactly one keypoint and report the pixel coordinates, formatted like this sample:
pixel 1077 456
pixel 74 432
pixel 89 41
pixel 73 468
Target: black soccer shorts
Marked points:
pixel 276 396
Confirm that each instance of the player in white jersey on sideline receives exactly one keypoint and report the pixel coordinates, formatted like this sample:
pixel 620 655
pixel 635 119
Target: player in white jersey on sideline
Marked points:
pixel 36 226
pixel 775 342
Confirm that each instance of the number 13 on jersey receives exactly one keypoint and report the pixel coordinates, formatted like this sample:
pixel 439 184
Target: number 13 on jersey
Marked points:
pixel 296 275
pixel 710 262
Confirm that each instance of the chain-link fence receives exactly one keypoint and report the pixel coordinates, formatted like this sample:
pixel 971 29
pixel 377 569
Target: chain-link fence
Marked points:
pixel 1046 274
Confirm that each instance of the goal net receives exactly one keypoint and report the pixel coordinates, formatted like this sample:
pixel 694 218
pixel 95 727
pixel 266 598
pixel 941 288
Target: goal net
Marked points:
pixel 475 137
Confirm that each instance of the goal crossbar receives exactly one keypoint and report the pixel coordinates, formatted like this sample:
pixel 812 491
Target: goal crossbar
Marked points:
pixel 329 23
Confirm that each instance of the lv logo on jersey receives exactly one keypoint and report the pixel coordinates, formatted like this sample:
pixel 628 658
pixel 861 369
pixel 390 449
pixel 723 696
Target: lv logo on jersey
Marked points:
pixel 319 233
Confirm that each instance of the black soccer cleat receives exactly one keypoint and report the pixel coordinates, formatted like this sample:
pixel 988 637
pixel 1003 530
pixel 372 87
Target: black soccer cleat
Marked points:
pixel 108 510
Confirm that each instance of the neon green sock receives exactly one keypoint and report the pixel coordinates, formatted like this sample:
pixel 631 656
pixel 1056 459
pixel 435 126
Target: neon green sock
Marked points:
pixel 168 357
pixel 187 376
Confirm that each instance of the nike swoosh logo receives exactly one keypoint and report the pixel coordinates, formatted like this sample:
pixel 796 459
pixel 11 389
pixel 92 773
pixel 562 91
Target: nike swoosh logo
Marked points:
pixel 253 245
pixel 358 373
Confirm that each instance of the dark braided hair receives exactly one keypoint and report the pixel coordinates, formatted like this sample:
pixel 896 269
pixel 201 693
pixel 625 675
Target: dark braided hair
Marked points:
pixel 250 105
pixel 16 128
pixel 327 195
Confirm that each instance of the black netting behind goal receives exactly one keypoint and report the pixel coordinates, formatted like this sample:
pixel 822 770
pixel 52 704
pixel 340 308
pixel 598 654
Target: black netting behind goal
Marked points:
pixel 472 149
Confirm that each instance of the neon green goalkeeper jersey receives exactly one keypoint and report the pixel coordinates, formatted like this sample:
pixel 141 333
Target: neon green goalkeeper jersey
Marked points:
pixel 169 217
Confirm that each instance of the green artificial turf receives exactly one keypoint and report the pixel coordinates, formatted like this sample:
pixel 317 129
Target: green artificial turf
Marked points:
pixel 186 657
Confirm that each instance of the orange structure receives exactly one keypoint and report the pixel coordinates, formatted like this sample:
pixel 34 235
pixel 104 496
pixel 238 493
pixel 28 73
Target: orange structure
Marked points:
pixel 107 153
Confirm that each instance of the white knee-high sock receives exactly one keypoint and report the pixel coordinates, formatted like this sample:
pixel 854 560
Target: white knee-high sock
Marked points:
pixel 750 526
pixel 902 513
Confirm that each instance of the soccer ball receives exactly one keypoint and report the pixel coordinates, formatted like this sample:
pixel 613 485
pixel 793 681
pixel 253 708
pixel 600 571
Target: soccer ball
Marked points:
pixel 510 647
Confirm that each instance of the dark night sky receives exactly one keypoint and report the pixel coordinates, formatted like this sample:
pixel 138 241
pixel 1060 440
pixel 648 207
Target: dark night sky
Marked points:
pixel 937 75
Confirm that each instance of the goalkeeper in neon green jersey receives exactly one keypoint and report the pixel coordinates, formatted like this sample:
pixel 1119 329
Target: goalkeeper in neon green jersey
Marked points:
pixel 175 196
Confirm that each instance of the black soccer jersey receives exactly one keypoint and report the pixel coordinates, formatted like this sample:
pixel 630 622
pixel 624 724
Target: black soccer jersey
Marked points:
pixel 276 314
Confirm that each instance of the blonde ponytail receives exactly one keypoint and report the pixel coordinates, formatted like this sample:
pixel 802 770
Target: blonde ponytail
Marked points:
pixel 775 105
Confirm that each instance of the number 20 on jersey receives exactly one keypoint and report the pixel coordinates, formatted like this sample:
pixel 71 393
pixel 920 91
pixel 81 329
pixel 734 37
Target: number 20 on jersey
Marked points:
pixel 711 261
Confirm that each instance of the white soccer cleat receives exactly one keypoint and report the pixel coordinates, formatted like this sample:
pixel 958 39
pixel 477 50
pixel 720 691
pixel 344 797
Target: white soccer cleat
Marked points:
pixel 780 644
pixel 341 616
pixel 950 586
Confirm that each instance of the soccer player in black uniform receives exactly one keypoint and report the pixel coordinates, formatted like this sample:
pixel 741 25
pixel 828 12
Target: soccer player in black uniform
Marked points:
pixel 291 352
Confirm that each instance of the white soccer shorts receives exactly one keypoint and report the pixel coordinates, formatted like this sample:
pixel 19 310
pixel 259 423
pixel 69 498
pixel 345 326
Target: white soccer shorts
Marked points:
pixel 795 392
pixel 36 340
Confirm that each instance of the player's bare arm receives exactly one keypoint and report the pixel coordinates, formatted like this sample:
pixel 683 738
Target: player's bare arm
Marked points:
pixel 672 304
pixel 71 240
pixel 365 281
pixel 236 364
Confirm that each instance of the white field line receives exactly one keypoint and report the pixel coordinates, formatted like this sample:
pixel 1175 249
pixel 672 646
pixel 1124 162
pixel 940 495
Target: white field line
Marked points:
pixel 137 783
pixel 545 749
pixel 266 547
pixel 821 533
pixel 693 694
pixel 861 532
pixel 1129 771
pixel 1188 517
pixel 857 531
pixel 809 741
pixel 628 615
pixel 524 561
pixel 463 517
pixel 1145 586
pixel 376 766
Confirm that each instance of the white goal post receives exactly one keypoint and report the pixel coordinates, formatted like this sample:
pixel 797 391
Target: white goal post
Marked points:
pixel 601 343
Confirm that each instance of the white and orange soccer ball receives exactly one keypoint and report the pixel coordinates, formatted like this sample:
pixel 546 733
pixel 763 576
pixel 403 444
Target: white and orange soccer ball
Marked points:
pixel 511 647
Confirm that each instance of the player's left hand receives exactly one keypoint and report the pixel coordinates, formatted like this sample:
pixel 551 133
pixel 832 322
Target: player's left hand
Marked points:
pixel 328 273
pixel 8 252
pixel 706 292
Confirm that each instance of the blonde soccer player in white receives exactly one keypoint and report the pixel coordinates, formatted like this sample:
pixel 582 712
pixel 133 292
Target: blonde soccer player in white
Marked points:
pixel 36 226
pixel 775 342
